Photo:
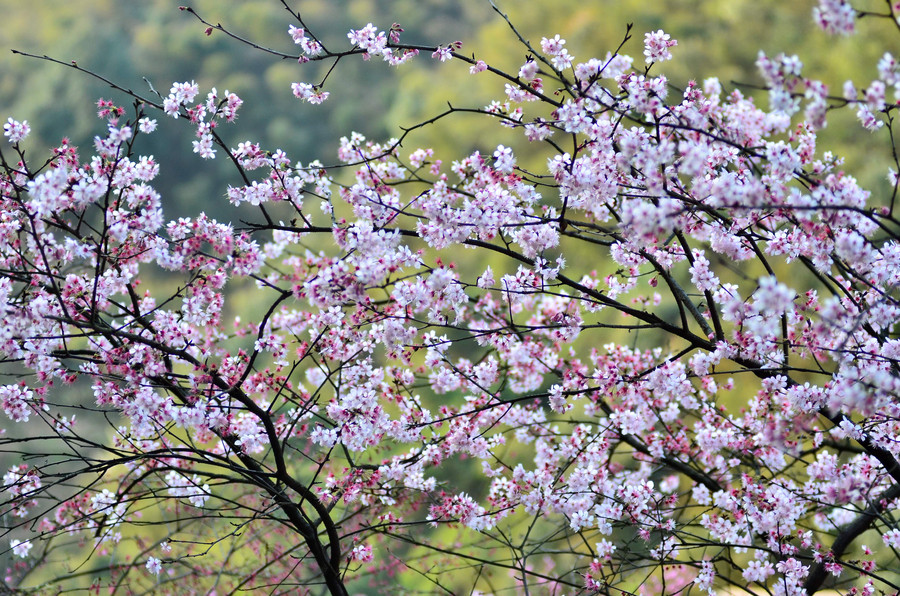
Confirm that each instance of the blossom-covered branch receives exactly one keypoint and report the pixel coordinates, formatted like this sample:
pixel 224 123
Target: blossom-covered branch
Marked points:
pixel 650 348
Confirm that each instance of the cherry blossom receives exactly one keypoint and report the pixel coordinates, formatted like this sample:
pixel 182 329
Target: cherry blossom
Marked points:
pixel 656 46
pixel 651 343
pixel 154 565
pixel 16 131
pixel 835 16
pixel 20 548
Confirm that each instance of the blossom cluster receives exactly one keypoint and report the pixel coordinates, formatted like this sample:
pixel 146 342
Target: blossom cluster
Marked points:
pixel 16 131
pixel 205 116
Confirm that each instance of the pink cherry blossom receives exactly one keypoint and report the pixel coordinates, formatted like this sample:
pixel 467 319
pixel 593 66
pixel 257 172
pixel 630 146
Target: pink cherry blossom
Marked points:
pixel 835 16
pixel 656 46
pixel 16 131
pixel 20 548
pixel 154 565
pixel 649 335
